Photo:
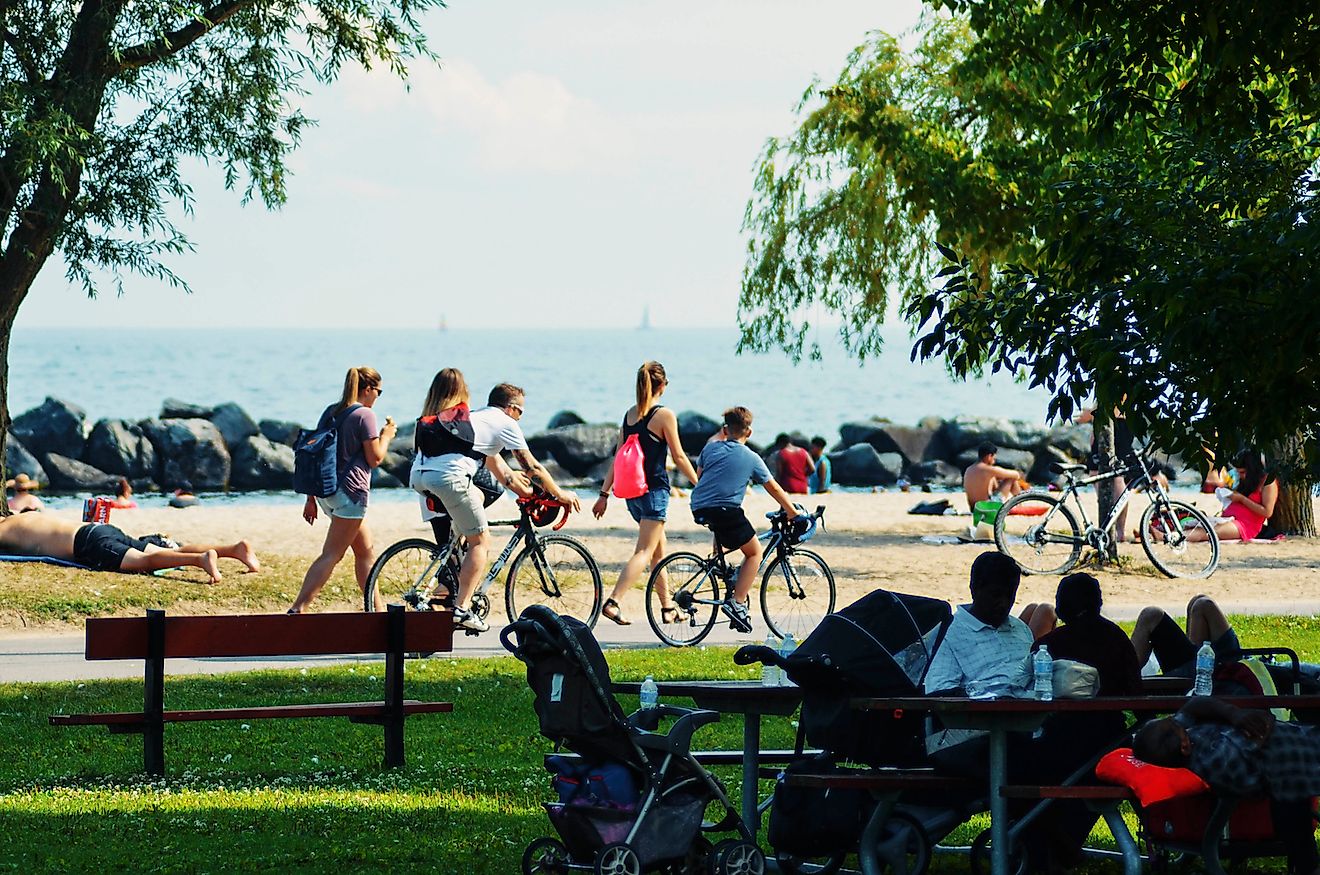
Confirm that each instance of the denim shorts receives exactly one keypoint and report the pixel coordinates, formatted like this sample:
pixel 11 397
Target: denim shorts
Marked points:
pixel 654 505
pixel 341 506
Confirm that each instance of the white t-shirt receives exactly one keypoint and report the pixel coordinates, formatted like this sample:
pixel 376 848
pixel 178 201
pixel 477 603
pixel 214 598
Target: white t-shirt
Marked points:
pixel 493 431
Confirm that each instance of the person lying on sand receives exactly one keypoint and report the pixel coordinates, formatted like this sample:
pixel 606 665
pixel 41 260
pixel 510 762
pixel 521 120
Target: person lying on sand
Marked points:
pixel 103 547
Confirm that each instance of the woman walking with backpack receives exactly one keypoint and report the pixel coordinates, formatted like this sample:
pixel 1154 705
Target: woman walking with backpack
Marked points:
pixel 360 447
pixel 649 433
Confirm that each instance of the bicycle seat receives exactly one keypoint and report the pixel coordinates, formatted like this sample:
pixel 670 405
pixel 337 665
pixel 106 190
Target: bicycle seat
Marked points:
pixel 1061 468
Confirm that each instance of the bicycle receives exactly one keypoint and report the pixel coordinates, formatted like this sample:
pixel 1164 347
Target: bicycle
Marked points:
pixel 1039 532
pixel 797 586
pixel 555 570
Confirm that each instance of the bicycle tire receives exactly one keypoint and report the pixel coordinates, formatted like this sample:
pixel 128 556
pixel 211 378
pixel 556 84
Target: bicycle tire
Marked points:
pixel 695 576
pixel 1037 540
pixel 1177 556
pixel 796 615
pixel 576 580
pixel 398 571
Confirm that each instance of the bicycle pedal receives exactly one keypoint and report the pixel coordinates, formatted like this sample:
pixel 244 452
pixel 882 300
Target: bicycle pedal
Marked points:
pixel 470 632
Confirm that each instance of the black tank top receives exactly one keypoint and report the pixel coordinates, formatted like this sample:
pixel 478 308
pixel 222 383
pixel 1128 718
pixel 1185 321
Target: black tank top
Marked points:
pixel 655 450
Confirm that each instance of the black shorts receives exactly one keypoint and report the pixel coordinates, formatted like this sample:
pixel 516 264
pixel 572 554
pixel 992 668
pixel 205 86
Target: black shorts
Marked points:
pixel 1176 653
pixel 102 547
pixel 729 524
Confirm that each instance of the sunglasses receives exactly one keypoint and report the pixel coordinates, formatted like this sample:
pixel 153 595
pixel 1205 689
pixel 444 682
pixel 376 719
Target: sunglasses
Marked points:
pixel 517 407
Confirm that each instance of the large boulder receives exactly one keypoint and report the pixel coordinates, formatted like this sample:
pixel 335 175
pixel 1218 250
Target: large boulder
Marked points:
pixel 962 433
pixel 279 431
pixel 851 433
pixel 173 408
pixel 70 475
pixel 19 461
pixel 1046 457
pixel 935 472
pixel 53 427
pixel 260 463
pixel 1073 440
pixel 911 443
pixel 398 464
pixel 234 424
pixel 579 448
pixel 861 465
pixel 117 446
pixel 381 478
pixel 1019 460
pixel 189 449
pixel 694 429
pixel 565 417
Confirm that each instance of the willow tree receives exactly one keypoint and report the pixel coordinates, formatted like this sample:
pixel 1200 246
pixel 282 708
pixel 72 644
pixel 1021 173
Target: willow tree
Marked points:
pixel 1109 201
pixel 102 100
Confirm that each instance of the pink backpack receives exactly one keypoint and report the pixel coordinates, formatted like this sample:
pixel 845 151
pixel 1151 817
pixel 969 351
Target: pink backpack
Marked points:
pixel 630 469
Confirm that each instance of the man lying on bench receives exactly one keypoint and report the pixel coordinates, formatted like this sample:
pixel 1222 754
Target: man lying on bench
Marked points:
pixel 102 547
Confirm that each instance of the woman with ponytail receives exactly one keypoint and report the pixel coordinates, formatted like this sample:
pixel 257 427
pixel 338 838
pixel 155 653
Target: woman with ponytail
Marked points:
pixel 656 429
pixel 360 447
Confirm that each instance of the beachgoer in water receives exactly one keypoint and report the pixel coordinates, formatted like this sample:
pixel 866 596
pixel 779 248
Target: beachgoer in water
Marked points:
pixel 103 547
pixel 819 481
pixel 985 479
pixel 361 447
pixel 792 465
pixel 24 501
pixel 124 497
pixel 183 496
pixel 656 428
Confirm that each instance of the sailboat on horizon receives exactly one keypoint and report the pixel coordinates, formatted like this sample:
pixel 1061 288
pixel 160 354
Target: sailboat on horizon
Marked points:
pixel 645 324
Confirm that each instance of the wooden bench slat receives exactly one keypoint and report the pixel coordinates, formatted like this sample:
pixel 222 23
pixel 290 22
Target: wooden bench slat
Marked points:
pixel 268 635
pixel 332 709
pixel 1079 791
pixel 885 779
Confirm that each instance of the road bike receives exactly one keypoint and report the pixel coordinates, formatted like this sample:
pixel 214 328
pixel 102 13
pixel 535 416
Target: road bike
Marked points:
pixel 553 569
pixel 1041 533
pixel 797 586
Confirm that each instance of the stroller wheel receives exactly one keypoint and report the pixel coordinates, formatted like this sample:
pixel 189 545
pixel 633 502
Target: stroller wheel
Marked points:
pixel 791 864
pixel 617 859
pixel 545 857
pixel 736 857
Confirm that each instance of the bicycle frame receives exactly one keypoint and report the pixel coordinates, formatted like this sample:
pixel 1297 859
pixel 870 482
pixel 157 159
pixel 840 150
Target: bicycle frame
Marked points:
pixel 1143 480
pixel 523 533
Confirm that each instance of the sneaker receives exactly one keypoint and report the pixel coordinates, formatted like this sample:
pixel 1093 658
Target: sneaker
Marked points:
pixel 465 619
pixel 739 618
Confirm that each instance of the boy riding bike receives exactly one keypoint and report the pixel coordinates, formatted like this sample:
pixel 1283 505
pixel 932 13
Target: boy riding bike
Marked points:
pixel 725 467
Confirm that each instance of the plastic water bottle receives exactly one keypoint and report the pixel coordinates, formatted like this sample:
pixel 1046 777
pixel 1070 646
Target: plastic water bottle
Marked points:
pixel 786 648
pixel 770 673
pixel 1205 670
pixel 1042 673
pixel 650 694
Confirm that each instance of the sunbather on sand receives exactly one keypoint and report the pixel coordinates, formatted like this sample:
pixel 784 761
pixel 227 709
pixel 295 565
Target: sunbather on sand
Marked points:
pixel 103 547
pixel 985 479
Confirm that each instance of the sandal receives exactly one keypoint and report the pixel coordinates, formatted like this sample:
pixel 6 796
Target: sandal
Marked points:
pixel 671 611
pixel 617 616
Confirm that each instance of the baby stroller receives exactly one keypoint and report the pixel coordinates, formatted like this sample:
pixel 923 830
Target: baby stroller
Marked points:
pixel 880 645
pixel 657 826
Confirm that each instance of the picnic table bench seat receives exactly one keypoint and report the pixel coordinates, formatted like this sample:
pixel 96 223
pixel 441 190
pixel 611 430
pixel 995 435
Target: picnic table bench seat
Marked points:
pixel 156 637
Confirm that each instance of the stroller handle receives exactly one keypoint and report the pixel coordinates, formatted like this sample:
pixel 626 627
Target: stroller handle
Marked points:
pixel 519 627
pixel 750 653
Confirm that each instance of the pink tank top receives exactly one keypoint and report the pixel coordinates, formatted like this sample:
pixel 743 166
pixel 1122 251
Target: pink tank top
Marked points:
pixel 1249 522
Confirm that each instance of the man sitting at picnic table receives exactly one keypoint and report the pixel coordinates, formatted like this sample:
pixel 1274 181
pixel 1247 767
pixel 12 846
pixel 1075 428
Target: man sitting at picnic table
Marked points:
pixel 1244 754
pixel 985 654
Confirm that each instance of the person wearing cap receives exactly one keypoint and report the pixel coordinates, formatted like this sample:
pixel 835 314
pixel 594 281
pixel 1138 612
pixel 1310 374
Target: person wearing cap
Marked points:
pixel 984 478
pixel 23 500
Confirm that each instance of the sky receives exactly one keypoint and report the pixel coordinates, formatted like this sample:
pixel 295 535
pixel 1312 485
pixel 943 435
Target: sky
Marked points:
pixel 567 165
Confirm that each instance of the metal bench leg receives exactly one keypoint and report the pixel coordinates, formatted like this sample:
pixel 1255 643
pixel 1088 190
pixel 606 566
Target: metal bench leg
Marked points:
pixel 1214 832
pixel 1127 845
pixel 153 696
pixel 394 688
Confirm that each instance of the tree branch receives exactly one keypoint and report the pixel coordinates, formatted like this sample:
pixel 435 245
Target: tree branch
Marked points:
pixel 24 59
pixel 176 40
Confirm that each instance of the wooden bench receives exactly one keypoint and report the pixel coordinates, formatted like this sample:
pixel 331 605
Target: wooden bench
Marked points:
pixel 156 637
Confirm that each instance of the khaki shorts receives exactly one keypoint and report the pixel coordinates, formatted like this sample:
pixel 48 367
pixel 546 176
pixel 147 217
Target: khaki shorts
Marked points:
pixel 341 506
pixel 461 498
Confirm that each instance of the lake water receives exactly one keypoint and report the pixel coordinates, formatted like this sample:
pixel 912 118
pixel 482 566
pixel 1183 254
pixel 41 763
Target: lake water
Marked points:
pixel 293 375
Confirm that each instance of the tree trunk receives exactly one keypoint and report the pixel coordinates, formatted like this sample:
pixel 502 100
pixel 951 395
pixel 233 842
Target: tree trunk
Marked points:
pixel 1104 490
pixel 6 324
pixel 1294 514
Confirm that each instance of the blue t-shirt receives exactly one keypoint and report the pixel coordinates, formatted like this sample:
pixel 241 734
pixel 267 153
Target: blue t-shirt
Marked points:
pixel 726 467
pixel 815 482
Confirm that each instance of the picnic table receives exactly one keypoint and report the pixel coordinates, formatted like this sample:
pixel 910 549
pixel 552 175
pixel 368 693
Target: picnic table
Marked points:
pixel 999 717
pixel 751 699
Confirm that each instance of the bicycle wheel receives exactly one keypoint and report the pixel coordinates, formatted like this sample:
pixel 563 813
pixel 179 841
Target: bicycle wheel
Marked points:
pixel 694 589
pixel 1165 530
pixel 1039 533
pixel 398 575
pixel 556 571
pixel 796 591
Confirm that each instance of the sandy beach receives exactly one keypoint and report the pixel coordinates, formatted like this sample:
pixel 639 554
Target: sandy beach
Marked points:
pixel 870 541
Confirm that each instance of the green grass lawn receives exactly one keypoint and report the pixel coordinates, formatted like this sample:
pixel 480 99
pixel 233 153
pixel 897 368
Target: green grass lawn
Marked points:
pixel 310 795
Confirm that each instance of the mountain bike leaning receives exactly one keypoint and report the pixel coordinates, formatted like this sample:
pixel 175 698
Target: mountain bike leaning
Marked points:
pixel 1041 533
pixel 797 586
pixel 552 569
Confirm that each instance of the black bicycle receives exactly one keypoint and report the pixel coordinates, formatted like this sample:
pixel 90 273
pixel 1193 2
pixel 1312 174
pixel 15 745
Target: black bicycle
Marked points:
pixel 797 586
pixel 1041 534
pixel 554 570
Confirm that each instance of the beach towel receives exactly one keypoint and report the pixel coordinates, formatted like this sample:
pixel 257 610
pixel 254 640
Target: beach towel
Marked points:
pixel 65 563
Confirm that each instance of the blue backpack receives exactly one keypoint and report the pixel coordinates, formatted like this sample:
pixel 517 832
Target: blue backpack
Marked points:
pixel 316 456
